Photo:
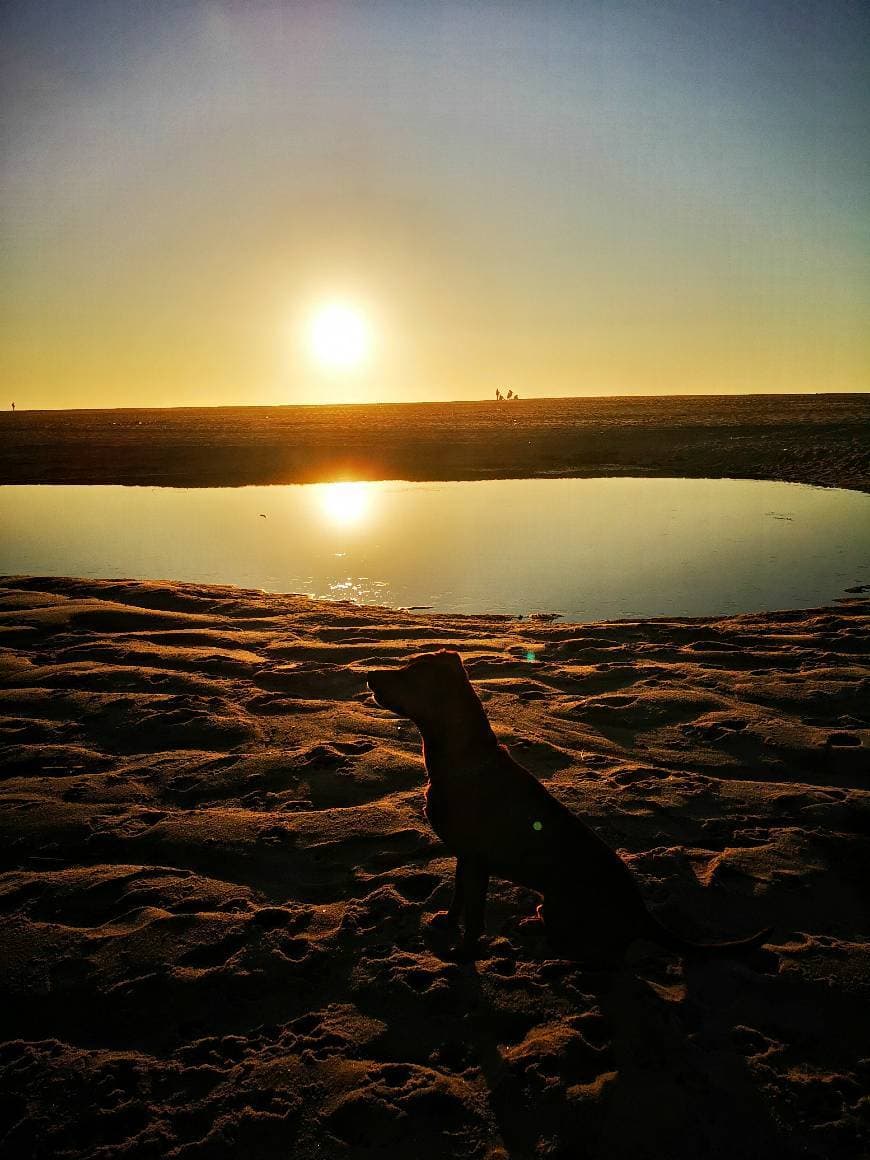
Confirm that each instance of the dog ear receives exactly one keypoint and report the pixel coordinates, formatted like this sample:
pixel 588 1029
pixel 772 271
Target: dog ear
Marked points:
pixel 451 656
pixel 443 656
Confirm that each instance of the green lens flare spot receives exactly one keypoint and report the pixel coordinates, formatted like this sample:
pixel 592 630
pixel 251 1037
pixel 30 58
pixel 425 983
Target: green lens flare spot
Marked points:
pixel 537 826
pixel 530 656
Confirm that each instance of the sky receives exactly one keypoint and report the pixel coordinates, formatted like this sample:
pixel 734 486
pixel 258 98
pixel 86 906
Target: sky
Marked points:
pixel 581 198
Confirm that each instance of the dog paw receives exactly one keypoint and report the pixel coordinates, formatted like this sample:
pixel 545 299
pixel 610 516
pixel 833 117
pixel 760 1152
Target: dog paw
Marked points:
pixel 466 953
pixel 531 924
pixel 441 920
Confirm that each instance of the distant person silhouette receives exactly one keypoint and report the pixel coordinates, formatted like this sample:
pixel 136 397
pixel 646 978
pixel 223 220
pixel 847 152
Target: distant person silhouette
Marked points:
pixel 498 395
pixel 13 406
pixel 509 395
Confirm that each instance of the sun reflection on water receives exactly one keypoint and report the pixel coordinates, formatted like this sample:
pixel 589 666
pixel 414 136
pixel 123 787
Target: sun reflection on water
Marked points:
pixel 345 505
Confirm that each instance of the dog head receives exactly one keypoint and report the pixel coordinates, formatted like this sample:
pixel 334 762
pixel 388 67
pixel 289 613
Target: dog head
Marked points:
pixel 422 688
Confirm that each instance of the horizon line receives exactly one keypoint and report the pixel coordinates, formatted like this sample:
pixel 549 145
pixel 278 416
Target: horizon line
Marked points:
pixel 446 402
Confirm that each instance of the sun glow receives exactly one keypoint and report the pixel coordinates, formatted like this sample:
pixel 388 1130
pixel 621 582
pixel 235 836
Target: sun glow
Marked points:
pixel 339 337
pixel 345 504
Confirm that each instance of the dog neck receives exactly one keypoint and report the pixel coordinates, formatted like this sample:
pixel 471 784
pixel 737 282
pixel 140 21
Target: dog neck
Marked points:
pixel 466 741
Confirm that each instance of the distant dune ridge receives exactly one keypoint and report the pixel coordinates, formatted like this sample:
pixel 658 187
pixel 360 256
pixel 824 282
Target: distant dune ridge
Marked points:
pixel 215 874
pixel 819 439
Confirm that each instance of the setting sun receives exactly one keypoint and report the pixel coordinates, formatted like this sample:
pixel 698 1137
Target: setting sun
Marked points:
pixel 339 337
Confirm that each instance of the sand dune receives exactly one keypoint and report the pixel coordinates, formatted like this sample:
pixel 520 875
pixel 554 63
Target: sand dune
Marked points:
pixel 215 872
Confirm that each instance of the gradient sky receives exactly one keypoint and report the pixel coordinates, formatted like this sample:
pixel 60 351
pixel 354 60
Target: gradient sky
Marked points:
pixel 564 198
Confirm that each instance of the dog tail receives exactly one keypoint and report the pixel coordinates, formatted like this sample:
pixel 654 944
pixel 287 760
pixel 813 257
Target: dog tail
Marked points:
pixel 661 934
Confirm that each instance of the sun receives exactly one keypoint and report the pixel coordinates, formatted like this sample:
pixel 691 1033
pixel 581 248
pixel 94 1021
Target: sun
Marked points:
pixel 339 337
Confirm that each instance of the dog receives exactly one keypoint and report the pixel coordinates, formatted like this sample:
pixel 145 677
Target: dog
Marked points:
pixel 499 820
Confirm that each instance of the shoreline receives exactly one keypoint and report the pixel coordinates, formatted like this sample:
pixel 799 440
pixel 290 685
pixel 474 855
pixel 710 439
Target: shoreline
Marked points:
pixel 215 877
pixel 819 440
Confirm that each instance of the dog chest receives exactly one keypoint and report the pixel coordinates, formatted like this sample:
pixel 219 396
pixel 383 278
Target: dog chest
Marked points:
pixel 472 819
pixel 457 814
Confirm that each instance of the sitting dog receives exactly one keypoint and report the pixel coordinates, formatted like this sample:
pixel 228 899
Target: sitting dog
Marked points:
pixel 498 819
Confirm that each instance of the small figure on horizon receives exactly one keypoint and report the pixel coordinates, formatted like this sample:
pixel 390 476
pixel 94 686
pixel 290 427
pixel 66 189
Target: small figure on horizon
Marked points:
pixel 498 395
pixel 13 406
pixel 509 395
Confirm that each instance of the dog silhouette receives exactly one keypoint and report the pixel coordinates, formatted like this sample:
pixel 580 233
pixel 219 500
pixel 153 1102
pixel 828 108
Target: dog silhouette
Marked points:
pixel 498 819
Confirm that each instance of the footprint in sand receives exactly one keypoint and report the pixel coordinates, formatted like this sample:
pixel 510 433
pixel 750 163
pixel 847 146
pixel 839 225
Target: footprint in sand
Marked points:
pixel 842 741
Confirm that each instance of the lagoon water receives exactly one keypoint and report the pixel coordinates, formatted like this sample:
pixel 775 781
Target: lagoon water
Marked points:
pixel 584 548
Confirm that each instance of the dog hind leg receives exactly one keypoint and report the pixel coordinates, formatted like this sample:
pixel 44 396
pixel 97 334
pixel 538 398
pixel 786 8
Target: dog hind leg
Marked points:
pixel 561 924
pixel 594 935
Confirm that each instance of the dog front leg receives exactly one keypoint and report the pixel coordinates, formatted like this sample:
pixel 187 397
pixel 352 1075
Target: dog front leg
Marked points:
pixel 450 917
pixel 474 883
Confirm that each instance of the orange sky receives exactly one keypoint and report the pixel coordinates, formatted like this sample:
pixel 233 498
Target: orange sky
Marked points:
pixel 561 199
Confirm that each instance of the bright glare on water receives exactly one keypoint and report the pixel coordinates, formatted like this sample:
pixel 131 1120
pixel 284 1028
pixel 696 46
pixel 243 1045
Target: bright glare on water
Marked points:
pixel 585 548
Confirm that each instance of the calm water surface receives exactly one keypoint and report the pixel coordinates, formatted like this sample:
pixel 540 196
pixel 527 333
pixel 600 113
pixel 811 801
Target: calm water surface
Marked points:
pixel 585 548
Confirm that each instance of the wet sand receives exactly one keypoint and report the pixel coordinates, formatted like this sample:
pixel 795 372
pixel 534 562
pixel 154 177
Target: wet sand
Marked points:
pixel 818 439
pixel 216 875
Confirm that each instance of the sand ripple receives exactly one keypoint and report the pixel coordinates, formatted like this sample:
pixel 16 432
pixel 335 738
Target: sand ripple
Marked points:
pixel 214 875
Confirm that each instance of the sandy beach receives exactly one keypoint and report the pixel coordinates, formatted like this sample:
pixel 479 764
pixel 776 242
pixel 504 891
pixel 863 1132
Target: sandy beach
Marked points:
pixel 817 439
pixel 216 875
